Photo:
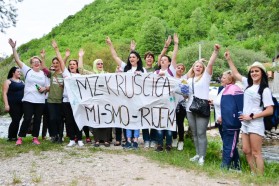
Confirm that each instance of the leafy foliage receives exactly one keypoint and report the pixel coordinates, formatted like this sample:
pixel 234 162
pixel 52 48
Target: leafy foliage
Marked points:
pixel 7 14
pixel 249 28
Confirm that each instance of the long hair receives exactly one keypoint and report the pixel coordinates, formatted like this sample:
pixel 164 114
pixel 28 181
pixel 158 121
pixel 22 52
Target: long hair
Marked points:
pixel 11 72
pixel 263 83
pixel 192 73
pixel 139 63
pixel 76 61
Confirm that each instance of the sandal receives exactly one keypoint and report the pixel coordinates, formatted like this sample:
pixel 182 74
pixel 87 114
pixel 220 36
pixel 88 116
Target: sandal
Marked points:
pixel 107 144
pixel 117 143
pixel 97 144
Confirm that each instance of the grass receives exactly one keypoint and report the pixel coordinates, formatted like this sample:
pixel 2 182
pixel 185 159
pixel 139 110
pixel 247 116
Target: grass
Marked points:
pixel 174 158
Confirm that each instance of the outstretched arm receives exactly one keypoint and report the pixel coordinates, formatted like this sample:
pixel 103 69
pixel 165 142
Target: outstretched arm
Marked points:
pixel 234 70
pixel 165 49
pixel 132 46
pixel 80 58
pixel 13 45
pixel 209 67
pixel 67 55
pixel 175 50
pixel 113 52
pixel 43 55
pixel 58 55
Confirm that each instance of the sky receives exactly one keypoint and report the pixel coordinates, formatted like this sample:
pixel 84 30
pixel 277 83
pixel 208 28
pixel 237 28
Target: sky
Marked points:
pixel 36 18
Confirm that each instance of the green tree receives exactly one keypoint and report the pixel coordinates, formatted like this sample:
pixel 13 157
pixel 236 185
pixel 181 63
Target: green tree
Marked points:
pixel 152 36
pixel 198 23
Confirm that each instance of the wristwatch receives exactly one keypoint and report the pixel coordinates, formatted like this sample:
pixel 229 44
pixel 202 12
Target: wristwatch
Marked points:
pixel 252 115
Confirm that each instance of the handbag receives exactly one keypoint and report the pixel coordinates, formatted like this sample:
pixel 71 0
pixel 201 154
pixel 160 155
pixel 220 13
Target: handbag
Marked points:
pixel 199 106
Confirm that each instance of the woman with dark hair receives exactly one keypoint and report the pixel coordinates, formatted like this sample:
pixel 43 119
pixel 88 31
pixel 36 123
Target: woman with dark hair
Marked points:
pixel 13 91
pixel 257 104
pixel 134 65
pixel 34 98
pixel 74 67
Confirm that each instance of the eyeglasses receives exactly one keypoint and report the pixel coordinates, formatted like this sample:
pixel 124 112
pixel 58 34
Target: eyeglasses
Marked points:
pixel 34 62
pixel 100 64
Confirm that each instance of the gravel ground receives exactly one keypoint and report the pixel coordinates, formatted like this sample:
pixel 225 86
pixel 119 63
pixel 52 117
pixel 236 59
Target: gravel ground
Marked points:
pixel 100 168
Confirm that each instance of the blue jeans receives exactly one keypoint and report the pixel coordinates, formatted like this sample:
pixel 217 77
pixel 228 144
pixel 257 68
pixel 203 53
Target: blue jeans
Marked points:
pixel 129 133
pixel 149 136
pixel 161 134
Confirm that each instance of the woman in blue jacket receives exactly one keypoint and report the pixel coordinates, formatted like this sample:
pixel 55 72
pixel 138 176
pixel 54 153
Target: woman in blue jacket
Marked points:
pixel 228 103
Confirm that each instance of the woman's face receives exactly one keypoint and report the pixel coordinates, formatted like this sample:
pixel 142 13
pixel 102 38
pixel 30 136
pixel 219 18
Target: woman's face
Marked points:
pixel 180 70
pixel 226 79
pixel 56 65
pixel 73 66
pixel 16 74
pixel 165 62
pixel 149 60
pixel 198 69
pixel 133 60
pixel 256 74
pixel 100 65
pixel 36 64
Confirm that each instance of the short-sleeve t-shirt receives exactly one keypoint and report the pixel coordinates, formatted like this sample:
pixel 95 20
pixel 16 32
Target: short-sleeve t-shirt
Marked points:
pixel 132 70
pixel 66 74
pixel 56 88
pixel 33 78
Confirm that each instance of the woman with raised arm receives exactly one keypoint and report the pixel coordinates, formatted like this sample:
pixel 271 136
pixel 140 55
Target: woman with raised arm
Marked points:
pixel 257 104
pixel 73 70
pixel 13 91
pixel 199 81
pixel 34 97
pixel 168 66
pixel 134 65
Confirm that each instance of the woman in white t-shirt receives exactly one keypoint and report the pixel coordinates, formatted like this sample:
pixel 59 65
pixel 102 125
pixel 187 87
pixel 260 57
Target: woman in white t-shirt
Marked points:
pixel 200 76
pixel 134 65
pixel 257 96
pixel 34 95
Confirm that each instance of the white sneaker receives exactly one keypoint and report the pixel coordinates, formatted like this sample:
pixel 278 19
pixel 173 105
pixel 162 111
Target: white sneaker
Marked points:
pixel 72 143
pixel 152 144
pixel 195 158
pixel 80 143
pixel 174 143
pixel 201 161
pixel 146 144
pixel 180 145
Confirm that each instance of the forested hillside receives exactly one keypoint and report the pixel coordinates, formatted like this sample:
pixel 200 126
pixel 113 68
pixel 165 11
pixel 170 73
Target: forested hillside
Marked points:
pixel 249 28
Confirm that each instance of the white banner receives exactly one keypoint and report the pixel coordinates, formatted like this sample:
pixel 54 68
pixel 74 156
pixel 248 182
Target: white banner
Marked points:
pixel 125 100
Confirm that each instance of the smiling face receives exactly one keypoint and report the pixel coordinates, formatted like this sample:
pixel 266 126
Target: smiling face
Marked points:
pixel 16 74
pixel 198 68
pixel 256 75
pixel 56 65
pixel 73 66
pixel 35 64
pixel 133 60
pixel 100 65
pixel 180 70
pixel 149 60
pixel 226 79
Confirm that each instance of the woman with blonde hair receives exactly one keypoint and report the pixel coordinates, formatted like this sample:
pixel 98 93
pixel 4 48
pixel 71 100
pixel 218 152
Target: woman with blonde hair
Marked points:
pixel 199 81
pixel 228 103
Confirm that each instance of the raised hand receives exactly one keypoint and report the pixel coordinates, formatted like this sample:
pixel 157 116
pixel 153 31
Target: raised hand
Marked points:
pixel 217 47
pixel 167 42
pixel 81 52
pixel 67 53
pixel 12 43
pixel 227 55
pixel 54 44
pixel 108 41
pixel 175 38
pixel 43 53
pixel 132 45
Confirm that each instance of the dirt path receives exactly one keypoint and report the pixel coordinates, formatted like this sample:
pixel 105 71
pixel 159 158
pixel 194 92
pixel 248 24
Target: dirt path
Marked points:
pixel 77 166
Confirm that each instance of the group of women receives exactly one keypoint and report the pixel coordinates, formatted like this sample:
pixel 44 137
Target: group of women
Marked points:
pixel 41 83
